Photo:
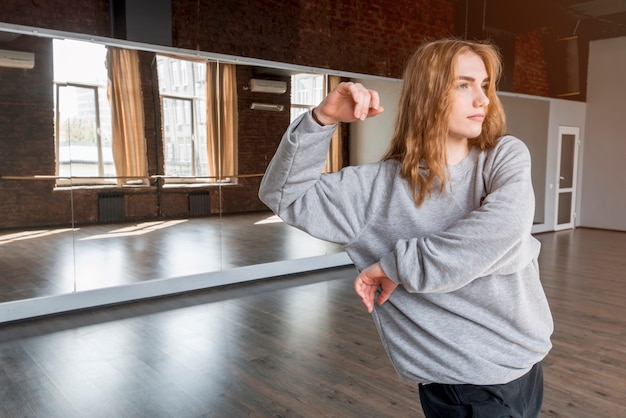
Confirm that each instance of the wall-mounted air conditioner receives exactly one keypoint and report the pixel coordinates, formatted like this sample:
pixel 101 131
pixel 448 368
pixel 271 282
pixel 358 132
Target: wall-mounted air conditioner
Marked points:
pixel 17 59
pixel 267 86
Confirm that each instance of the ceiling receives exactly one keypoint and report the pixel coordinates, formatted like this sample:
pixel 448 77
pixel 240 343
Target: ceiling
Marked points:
pixel 589 19
pixel 599 18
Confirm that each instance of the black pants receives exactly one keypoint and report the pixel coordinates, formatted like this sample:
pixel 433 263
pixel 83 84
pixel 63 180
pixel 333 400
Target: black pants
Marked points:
pixel 520 398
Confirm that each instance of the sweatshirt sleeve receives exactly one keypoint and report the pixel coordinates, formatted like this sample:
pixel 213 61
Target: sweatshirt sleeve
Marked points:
pixel 494 239
pixel 333 207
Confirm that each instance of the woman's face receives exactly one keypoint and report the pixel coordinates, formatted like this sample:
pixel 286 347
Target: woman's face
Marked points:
pixel 469 101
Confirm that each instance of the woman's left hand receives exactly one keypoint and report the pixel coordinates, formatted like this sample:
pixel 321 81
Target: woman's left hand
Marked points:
pixel 369 281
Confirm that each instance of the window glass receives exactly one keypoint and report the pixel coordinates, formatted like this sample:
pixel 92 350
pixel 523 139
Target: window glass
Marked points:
pixel 182 85
pixel 307 91
pixel 82 113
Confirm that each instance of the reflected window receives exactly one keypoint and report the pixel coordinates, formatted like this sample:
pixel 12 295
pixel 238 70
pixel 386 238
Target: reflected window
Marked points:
pixel 82 114
pixel 196 145
pixel 182 85
pixel 307 91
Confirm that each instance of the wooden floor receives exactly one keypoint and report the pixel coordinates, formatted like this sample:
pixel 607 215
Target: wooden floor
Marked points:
pixel 584 275
pixel 298 346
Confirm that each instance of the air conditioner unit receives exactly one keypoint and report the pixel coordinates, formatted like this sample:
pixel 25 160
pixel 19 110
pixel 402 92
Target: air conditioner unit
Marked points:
pixel 267 86
pixel 17 59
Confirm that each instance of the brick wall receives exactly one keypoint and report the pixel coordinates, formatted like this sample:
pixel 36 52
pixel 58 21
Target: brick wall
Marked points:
pixel 26 129
pixel 348 35
pixel 86 16
pixel 530 71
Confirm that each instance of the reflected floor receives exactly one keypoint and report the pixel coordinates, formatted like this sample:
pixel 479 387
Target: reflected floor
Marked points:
pixel 48 262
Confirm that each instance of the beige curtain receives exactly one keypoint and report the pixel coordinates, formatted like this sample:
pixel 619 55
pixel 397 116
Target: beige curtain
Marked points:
pixel 222 119
pixel 335 158
pixel 127 118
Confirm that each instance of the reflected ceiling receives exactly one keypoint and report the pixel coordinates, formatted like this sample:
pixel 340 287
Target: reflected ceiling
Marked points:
pixel 595 19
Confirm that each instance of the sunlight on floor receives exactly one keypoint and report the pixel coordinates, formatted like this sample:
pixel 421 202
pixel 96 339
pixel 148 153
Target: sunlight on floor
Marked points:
pixel 269 220
pixel 22 235
pixel 134 230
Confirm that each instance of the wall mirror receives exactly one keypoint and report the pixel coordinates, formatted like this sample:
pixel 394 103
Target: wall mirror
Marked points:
pixel 125 163
pixel 89 219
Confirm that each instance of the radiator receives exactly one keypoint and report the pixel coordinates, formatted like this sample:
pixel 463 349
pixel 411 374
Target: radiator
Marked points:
pixel 199 204
pixel 111 208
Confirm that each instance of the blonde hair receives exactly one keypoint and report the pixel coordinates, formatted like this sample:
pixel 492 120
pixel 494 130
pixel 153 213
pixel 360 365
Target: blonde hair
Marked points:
pixel 421 127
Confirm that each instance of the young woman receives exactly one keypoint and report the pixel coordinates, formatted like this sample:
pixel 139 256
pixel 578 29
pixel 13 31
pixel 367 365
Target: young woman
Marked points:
pixel 439 230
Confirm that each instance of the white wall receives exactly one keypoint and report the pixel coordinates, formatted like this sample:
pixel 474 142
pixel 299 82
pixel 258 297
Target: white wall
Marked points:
pixel 603 186
pixel 369 139
pixel 520 110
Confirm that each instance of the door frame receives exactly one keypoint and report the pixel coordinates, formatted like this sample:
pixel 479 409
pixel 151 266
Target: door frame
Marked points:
pixel 575 131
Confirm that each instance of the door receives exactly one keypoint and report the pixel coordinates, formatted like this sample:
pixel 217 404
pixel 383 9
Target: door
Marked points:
pixel 567 174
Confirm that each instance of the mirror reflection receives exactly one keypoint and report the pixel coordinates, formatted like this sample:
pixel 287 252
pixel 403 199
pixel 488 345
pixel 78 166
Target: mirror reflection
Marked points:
pixel 123 165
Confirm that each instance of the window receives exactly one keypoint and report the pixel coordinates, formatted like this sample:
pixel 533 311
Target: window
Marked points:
pixel 82 114
pixel 182 85
pixel 196 145
pixel 184 152
pixel 307 91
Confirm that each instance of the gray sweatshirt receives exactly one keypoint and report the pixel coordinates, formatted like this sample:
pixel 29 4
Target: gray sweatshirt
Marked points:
pixel 469 308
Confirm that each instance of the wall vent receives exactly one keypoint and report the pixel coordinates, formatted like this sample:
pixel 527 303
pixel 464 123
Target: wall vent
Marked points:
pixel 267 86
pixel 111 208
pixel 199 204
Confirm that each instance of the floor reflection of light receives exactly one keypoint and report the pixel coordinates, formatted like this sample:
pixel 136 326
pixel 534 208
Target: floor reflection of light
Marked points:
pixel 22 235
pixel 134 230
pixel 101 266
pixel 192 253
pixel 291 243
pixel 91 368
pixel 303 303
pixel 54 261
pixel 270 220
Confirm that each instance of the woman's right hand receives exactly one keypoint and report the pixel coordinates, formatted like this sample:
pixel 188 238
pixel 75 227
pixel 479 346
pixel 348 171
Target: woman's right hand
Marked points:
pixel 348 102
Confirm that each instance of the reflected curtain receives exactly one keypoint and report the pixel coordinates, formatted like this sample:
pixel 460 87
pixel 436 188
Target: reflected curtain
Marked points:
pixel 334 160
pixel 222 116
pixel 127 117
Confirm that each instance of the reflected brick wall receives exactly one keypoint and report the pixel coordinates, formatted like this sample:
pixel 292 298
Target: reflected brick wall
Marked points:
pixel 348 35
